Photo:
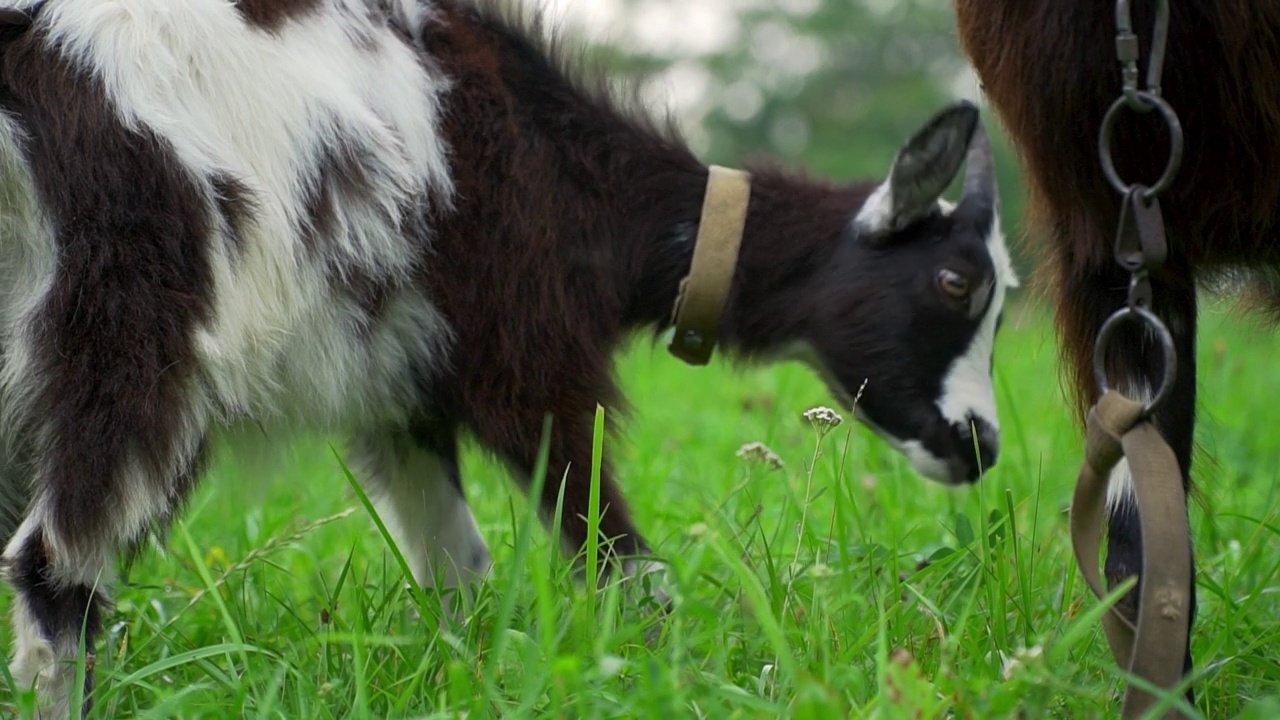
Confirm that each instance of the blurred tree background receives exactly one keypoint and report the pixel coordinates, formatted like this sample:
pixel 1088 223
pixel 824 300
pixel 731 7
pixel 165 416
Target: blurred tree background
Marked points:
pixel 833 85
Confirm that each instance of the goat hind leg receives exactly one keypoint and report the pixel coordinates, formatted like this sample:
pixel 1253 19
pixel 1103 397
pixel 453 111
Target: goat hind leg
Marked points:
pixel 60 563
pixel 1135 368
pixel 59 599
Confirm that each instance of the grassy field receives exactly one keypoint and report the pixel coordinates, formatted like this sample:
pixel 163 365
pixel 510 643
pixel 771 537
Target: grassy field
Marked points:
pixel 838 586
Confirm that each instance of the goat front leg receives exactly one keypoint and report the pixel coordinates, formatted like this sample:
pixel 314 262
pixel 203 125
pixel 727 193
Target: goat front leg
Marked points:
pixel 1135 368
pixel 415 482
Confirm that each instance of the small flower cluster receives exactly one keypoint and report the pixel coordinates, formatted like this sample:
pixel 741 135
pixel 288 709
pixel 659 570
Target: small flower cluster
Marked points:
pixel 759 452
pixel 823 418
pixel 1021 657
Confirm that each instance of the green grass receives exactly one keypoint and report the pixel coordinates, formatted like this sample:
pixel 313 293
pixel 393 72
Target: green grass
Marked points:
pixel 839 586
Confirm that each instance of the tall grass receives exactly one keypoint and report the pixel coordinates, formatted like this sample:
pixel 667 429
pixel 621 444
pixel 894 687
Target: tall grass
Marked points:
pixel 837 585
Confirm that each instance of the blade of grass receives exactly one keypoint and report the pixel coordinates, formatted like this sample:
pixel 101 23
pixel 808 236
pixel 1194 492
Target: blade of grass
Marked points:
pixel 593 516
pixel 229 623
pixel 392 545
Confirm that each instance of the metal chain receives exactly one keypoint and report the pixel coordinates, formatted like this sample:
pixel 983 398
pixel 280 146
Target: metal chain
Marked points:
pixel 1127 52
pixel 1140 245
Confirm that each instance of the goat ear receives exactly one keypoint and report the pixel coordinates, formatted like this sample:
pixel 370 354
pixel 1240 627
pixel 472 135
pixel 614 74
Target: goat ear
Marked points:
pixel 923 168
pixel 14 22
pixel 980 202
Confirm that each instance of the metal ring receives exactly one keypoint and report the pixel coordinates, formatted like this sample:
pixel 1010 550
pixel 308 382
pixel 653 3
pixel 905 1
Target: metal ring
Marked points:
pixel 1141 315
pixel 1175 142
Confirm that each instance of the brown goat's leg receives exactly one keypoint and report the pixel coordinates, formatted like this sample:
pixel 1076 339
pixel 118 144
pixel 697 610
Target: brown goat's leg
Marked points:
pixel 1135 367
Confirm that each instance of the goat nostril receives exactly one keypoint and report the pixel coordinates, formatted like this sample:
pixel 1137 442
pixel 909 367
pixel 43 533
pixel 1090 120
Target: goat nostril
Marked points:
pixel 989 455
pixel 980 442
pixel 988 443
pixel 975 446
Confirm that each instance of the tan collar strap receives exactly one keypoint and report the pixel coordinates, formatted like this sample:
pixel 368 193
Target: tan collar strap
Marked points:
pixel 701 298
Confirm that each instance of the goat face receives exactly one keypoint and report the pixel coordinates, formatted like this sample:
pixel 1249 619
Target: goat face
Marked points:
pixel 912 299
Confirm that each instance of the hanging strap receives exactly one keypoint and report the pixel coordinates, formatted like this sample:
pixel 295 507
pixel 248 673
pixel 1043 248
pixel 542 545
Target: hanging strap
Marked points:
pixel 1154 648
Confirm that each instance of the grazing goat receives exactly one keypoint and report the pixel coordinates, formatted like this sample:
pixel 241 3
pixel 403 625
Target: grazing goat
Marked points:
pixel 1049 69
pixel 397 221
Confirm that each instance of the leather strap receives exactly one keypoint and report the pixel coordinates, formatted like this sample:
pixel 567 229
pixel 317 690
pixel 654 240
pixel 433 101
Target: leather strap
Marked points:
pixel 1154 648
pixel 701 298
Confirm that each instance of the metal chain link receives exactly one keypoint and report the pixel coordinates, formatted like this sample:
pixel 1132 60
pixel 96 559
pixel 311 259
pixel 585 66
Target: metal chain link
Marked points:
pixel 1141 244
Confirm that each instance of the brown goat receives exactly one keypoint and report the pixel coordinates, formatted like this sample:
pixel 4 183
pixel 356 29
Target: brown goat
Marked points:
pixel 1049 68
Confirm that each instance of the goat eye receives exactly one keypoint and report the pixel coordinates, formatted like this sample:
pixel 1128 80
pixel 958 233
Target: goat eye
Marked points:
pixel 953 284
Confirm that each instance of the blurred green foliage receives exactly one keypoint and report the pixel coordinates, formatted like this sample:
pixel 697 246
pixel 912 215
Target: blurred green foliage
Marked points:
pixel 832 85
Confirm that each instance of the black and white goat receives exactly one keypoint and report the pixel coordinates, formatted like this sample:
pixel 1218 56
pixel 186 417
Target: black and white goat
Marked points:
pixel 396 221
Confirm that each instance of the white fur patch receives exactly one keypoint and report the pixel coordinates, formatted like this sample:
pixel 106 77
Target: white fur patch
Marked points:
pixel 922 461
pixel 88 564
pixel 1120 487
pixel 48 667
pixel 876 213
pixel 27 262
pixel 30 523
pixel 45 664
pixel 925 462
pixel 1120 482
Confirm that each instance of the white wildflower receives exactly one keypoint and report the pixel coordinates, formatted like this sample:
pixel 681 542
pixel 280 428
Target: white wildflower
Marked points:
pixel 759 452
pixel 611 665
pixel 1021 657
pixel 823 418
pixel 766 680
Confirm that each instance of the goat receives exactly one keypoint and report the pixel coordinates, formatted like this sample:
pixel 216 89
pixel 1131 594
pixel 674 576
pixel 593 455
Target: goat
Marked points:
pixel 1049 69
pixel 397 221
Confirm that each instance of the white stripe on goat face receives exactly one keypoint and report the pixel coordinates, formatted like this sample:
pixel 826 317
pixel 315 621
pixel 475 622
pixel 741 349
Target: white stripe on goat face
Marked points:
pixel 968 388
